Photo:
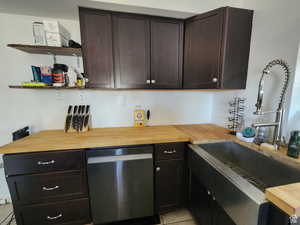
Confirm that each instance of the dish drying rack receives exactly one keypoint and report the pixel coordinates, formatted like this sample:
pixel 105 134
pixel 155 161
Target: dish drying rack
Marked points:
pixel 236 112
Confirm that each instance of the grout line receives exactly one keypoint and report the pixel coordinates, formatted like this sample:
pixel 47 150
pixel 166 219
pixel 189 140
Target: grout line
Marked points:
pixel 186 220
pixel 179 221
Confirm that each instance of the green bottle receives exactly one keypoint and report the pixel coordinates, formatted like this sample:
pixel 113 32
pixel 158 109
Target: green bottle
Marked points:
pixel 294 144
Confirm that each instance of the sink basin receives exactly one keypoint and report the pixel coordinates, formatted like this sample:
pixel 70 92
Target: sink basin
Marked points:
pixel 258 169
pixel 237 177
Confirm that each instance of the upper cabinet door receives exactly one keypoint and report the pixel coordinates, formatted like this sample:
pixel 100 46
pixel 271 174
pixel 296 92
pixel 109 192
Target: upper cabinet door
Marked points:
pixel 166 53
pixel 203 39
pixel 96 36
pixel 131 51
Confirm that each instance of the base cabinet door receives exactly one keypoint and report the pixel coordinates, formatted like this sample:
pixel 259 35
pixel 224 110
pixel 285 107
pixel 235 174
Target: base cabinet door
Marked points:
pixel 220 217
pixel 204 206
pixel 278 217
pixel 200 203
pixel 169 184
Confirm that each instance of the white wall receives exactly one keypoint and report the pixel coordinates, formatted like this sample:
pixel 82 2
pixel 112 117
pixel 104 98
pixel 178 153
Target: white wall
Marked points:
pixel 294 114
pixel 275 34
pixel 46 109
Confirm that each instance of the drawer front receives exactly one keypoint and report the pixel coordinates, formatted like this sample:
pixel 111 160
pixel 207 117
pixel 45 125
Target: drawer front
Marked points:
pixel 41 162
pixel 169 151
pixel 39 188
pixel 66 213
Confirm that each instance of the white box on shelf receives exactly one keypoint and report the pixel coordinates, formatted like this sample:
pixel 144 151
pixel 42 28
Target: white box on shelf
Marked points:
pixel 53 26
pixel 39 33
pixel 56 39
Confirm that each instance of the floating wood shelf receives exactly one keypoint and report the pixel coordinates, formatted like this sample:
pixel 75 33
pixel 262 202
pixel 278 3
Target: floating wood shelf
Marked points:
pixel 45 87
pixel 46 50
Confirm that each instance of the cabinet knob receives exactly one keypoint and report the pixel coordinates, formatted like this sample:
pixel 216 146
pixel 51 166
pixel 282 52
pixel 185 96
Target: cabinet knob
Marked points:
pixel 157 169
pixel 215 80
pixel 153 81
pixel 148 81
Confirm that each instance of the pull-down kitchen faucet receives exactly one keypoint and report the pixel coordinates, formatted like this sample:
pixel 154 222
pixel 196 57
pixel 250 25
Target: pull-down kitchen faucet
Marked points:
pixel 280 109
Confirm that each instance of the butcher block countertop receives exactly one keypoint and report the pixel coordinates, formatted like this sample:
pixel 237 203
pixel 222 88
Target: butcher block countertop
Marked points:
pixel 285 197
pixel 51 140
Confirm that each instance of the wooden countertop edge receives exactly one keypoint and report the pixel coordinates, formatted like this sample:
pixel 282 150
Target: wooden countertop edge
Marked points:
pixel 272 194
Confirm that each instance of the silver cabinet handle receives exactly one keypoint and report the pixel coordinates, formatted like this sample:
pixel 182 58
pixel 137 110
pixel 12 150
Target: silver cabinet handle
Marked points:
pixel 54 217
pixel 215 80
pixel 170 152
pixel 208 192
pixel 153 81
pixel 157 169
pixel 148 81
pixel 46 163
pixel 50 188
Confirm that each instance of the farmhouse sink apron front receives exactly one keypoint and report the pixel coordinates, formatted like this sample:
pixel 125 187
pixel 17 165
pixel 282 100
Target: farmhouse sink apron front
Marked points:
pixel 237 177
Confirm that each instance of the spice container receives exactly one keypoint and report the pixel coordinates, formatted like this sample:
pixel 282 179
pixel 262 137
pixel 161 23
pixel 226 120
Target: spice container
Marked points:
pixel 46 75
pixel 139 117
pixel 58 74
pixel 294 144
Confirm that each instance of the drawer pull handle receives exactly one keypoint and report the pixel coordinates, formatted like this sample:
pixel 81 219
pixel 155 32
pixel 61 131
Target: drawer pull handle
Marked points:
pixel 46 163
pixel 50 188
pixel 170 152
pixel 54 217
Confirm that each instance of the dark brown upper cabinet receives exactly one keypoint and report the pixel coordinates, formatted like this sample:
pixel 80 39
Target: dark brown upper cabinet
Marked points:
pixel 217 45
pixel 147 51
pixel 131 50
pixel 166 53
pixel 96 37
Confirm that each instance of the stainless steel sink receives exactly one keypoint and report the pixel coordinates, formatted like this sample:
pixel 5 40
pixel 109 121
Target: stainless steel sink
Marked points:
pixel 260 170
pixel 237 177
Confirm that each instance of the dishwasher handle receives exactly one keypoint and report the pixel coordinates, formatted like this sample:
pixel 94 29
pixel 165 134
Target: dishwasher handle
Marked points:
pixel 105 159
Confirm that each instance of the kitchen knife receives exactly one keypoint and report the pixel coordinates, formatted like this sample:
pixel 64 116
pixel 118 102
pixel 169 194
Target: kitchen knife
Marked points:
pixel 82 117
pixel 78 118
pixel 87 117
pixel 74 117
pixel 68 118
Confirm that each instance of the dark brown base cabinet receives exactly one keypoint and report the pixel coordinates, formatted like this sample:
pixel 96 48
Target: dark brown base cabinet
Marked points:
pixel 48 187
pixel 170 185
pixel 133 51
pixel 217 45
pixel 204 207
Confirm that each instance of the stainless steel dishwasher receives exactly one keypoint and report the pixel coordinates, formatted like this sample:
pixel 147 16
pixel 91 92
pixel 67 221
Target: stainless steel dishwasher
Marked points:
pixel 120 183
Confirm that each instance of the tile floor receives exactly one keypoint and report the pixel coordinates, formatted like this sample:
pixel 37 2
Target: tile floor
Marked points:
pixel 4 211
pixel 178 217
